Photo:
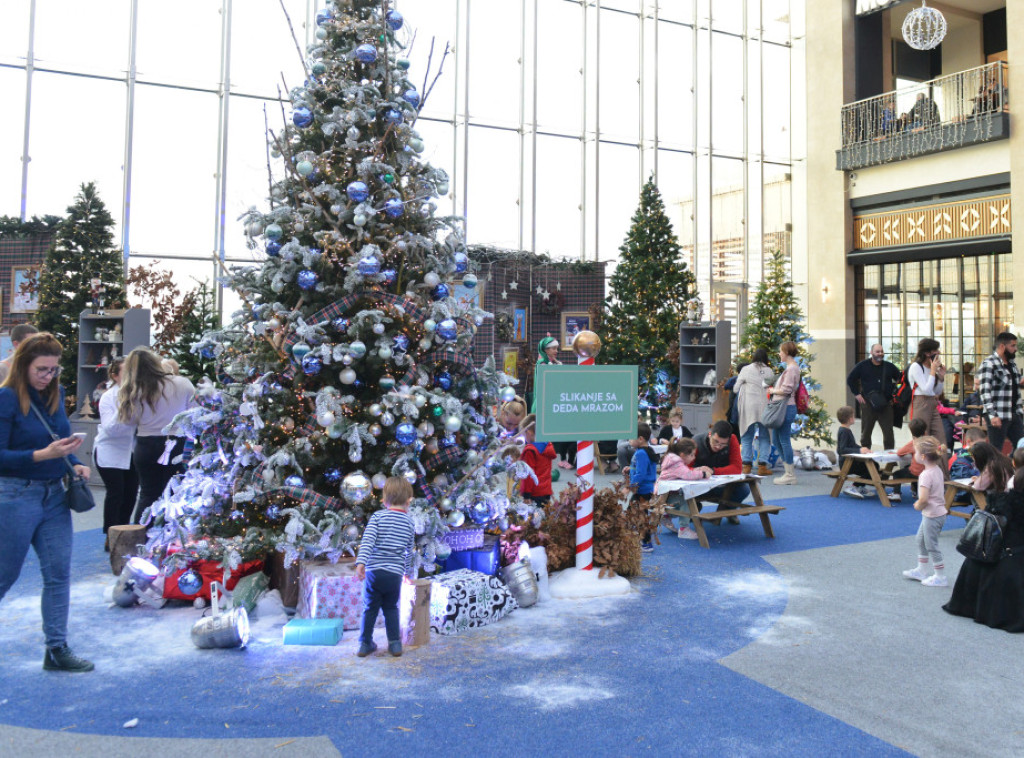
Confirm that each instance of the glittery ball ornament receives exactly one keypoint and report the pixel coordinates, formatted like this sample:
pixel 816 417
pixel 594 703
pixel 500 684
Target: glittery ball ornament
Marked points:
pixel 405 433
pixel 307 279
pixel 481 512
pixel 311 365
pixel 273 248
pixel 412 97
pixel 469 281
pixel 273 232
pixel 440 292
pixel 369 265
pixel 443 380
pixel 394 20
pixel 300 350
pixel 447 330
pixel 356 487
pixel 357 349
pixel 357 192
pixel 394 207
pixel 586 344
pixel 365 54
pixel 302 117
pixel 461 262
pixel 190 582
pixel 295 481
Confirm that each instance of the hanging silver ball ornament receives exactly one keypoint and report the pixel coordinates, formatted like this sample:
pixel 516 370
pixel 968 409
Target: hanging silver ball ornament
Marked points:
pixel 335 430
pixel 453 423
pixel 347 376
pixel 469 281
pixel 375 430
pixel 351 532
pixel 426 344
pixel 359 219
pixel 586 344
pixel 386 419
pixel 446 504
pixel 456 519
pixel 924 28
pixel 429 325
pixel 346 360
pixel 298 226
pixel 304 168
pixel 472 457
pixel 356 487
pixel 325 418
pixel 431 279
pixel 379 328
pixel 321 33
pixel 379 480
pixel 353 133
pixel 375 409
pixel 355 456
pixel 409 476
pixel 507 394
pixel 273 323
pixel 357 349
pixel 385 353
pixel 418 400
pixel 425 428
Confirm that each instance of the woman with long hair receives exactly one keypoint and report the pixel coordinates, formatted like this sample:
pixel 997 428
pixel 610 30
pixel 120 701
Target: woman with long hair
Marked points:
pixel 32 495
pixel 996 469
pixel 751 400
pixel 925 377
pixel 149 399
pixel 112 451
pixel 786 386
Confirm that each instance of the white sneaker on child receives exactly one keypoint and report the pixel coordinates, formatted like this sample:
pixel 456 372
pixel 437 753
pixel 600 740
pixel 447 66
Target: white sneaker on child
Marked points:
pixel 686 533
pixel 916 574
pixel 895 497
pixel 866 491
pixel 935 580
pixel 853 491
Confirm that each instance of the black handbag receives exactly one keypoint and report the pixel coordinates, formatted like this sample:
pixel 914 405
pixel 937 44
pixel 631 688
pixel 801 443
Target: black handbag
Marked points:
pixel 982 539
pixel 76 488
pixel 877 400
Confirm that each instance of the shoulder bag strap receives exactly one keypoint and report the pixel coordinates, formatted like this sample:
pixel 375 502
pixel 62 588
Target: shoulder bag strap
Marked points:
pixel 53 436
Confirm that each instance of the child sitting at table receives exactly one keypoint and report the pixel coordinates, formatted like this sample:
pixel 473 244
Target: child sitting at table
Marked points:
pixel 918 428
pixel 677 465
pixel 846 444
pixel 996 470
pixel 961 463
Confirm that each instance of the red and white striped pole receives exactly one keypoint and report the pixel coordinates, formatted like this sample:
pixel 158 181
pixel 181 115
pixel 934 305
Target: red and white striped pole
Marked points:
pixel 586 345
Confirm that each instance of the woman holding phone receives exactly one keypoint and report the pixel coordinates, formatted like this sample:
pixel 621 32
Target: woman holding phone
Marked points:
pixel 32 500
pixel 925 376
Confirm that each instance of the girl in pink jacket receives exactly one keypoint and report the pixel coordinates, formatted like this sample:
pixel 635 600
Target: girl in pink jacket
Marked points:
pixel 678 465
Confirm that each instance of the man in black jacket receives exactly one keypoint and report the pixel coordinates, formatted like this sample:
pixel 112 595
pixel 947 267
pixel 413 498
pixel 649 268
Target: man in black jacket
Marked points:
pixel 872 382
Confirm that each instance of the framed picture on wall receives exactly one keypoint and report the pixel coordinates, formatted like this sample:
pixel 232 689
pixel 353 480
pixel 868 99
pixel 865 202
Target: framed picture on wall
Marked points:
pixel 24 296
pixel 510 361
pixel 573 322
pixel 468 297
pixel 519 333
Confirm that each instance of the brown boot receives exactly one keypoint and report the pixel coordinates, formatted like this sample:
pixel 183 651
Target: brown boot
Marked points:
pixel 747 467
pixel 763 469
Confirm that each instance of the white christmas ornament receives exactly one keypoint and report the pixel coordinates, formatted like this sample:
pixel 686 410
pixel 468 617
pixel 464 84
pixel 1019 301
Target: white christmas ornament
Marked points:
pixel 924 28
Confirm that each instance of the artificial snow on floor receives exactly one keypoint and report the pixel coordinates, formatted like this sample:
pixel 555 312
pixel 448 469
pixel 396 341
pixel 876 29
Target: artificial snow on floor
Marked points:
pixel 574 583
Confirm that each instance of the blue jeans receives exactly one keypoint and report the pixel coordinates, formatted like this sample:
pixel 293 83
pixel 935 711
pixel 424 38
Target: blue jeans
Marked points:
pixel 36 513
pixel 780 436
pixel 381 593
pixel 764 443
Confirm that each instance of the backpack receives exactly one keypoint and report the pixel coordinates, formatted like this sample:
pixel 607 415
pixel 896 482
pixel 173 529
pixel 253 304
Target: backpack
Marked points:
pixel 803 400
pixel 903 395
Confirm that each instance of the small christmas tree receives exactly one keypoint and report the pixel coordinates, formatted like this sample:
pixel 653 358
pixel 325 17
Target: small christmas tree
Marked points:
pixel 649 291
pixel 774 317
pixel 198 316
pixel 350 361
pixel 82 268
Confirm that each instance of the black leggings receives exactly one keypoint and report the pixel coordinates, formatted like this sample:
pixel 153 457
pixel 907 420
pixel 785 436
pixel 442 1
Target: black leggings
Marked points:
pixel 153 476
pixel 122 487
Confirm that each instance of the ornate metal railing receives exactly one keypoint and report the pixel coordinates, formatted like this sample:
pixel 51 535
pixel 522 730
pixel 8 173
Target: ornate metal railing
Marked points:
pixel 944 113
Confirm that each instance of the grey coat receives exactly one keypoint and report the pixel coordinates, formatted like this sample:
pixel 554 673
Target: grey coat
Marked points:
pixel 751 393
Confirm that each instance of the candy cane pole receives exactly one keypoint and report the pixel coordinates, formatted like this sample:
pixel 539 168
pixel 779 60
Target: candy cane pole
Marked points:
pixel 586 346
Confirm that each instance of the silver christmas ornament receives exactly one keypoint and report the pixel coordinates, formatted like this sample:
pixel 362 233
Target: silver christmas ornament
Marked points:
pixel 356 487
pixel 924 28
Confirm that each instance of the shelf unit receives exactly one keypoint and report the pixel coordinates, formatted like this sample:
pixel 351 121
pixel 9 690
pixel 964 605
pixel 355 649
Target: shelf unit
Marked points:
pixel 712 352
pixel 134 323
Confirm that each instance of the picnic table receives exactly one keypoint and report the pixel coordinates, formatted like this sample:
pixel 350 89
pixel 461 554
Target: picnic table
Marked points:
pixel 876 464
pixel 693 490
pixel 956 486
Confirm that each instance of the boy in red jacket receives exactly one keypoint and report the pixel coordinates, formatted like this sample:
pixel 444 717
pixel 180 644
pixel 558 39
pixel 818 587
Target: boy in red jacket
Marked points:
pixel 538 456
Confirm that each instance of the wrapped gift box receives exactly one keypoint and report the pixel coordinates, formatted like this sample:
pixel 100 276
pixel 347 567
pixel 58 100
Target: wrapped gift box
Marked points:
pixel 465 538
pixel 330 591
pixel 484 559
pixel 312 632
pixel 466 599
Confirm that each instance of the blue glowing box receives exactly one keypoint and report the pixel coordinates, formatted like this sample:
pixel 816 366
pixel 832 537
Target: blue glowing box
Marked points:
pixel 312 632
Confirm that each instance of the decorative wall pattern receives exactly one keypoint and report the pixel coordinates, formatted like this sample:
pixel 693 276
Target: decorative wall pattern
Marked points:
pixel 968 219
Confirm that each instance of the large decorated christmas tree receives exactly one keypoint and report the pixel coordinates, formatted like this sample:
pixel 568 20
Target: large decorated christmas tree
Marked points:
pixel 650 289
pixel 350 361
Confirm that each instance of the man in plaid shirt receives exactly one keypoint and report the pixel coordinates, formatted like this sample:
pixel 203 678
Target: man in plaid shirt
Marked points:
pixel 999 382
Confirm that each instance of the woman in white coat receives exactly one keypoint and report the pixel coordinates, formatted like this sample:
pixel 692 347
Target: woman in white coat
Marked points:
pixel 751 390
pixel 112 452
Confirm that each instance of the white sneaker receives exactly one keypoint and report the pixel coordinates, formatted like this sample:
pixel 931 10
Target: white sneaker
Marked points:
pixel 686 533
pixel 895 497
pixel 866 491
pixel 935 580
pixel 853 491
pixel 916 574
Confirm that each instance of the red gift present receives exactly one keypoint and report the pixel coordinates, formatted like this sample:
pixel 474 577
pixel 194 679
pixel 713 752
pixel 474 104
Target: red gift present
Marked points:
pixel 208 571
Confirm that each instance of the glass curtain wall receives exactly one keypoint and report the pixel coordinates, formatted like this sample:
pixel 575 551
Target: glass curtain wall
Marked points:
pixel 548 115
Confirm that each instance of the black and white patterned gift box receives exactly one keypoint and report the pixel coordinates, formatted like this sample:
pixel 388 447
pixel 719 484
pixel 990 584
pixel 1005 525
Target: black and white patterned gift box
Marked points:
pixel 466 599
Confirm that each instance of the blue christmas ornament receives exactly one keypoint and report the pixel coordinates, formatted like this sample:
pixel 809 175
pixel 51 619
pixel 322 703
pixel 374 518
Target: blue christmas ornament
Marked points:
pixel 311 365
pixel 440 292
pixel 469 281
pixel 443 380
pixel 447 330
pixel 357 192
pixel 365 53
pixel 481 512
pixel 369 265
pixel 401 343
pixel 273 248
pixel 295 481
pixel 190 582
pixel 324 16
pixel 273 232
pixel 389 275
pixel 387 382
pixel 304 168
pixel 208 352
pixel 405 433
pixel 300 350
pixel 461 263
pixel 333 475
pixel 395 20
pixel 448 441
pixel 307 279
pixel 340 325
pixel 412 97
pixel 273 512
pixel 393 116
pixel 403 64
pixel 394 207
pixel 319 69
pixel 302 117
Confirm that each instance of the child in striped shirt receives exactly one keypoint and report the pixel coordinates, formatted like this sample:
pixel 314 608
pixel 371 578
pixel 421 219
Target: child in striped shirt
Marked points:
pixel 385 557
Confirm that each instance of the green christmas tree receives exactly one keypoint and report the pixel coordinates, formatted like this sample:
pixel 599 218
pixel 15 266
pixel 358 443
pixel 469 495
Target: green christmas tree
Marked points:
pixel 199 316
pixel 649 290
pixel 81 263
pixel 774 317
pixel 350 361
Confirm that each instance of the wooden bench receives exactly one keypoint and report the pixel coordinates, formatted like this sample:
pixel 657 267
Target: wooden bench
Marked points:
pixel 843 475
pixel 727 508
pixel 978 498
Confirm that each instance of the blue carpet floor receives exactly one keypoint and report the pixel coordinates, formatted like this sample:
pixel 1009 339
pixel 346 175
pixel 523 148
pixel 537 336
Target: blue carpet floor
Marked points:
pixel 624 676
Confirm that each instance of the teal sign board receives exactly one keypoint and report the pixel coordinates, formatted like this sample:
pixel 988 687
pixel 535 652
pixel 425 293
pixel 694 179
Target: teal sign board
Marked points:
pixel 585 403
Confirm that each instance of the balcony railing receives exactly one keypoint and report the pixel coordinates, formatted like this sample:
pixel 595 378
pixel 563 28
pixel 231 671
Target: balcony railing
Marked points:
pixel 942 114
